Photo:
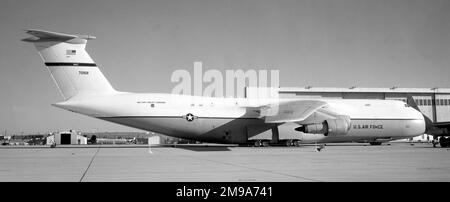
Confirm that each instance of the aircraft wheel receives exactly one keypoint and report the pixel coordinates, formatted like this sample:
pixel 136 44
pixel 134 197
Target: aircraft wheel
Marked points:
pixel 296 143
pixel 288 143
pixel 265 143
pixel 257 143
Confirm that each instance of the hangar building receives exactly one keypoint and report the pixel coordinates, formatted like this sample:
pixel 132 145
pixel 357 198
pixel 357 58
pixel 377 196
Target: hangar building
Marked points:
pixel 433 102
pixel 66 138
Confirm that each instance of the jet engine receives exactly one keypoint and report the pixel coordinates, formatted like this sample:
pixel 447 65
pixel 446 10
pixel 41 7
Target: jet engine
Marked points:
pixel 332 127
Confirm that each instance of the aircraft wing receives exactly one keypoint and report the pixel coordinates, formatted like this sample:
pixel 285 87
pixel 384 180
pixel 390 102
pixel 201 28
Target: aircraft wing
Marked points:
pixel 291 111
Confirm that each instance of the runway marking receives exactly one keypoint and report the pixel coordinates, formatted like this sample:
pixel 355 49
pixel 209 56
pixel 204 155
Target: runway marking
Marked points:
pixel 251 168
pixel 92 160
pixel 263 170
pixel 270 171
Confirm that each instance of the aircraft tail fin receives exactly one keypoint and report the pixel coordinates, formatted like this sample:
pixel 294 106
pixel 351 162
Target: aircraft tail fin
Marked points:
pixel 410 101
pixel 428 122
pixel 70 66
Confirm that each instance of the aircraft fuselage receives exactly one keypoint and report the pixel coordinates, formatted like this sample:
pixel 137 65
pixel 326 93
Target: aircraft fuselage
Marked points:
pixel 225 120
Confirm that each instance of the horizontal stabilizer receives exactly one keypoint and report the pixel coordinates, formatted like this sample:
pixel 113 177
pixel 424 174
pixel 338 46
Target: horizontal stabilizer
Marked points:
pixel 41 35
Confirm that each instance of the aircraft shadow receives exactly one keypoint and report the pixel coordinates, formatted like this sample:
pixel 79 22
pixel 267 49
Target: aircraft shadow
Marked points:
pixel 204 148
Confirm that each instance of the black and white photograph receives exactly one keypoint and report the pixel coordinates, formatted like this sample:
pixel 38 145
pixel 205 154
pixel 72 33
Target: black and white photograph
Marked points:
pixel 233 91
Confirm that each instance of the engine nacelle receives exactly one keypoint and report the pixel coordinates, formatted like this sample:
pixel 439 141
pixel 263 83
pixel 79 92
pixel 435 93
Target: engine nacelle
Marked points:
pixel 332 127
pixel 317 128
pixel 339 126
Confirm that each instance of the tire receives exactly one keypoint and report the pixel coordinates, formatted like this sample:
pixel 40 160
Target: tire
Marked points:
pixel 296 143
pixel 288 143
pixel 257 143
pixel 265 143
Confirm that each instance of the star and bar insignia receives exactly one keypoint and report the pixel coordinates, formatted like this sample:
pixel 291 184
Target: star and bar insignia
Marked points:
pixel 190 117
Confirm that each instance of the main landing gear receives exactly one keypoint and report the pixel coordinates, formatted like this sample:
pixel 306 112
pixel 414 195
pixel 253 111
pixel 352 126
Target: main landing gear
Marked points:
pixel 266 143
pixel 261 143
pixel 292 143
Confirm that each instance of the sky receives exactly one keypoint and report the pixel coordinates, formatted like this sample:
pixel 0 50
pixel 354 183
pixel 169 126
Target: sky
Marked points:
pixel 324 43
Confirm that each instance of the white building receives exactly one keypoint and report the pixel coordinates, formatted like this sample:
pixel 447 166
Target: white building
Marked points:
pixel 154 140
pixel 66 138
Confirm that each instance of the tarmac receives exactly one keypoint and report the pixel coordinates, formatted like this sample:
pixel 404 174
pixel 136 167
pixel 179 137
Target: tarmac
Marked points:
pixel 338 162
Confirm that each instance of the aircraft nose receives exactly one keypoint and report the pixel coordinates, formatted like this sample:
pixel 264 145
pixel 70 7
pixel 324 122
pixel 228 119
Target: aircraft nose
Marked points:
pixel 413 128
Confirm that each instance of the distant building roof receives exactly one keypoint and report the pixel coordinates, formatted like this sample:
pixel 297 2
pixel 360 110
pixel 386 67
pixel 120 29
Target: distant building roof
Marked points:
pixel 360 90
